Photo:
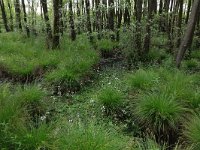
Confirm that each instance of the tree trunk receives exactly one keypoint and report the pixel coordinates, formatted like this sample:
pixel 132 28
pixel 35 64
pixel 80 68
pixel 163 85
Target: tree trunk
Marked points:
pixel 71 21
pixel 127 18
pixel 111 15
pixel 18 14
pixel 188 11
pixel 25 19
pixel 11 15
pixel 48 26
pixel 89 29
pixel 138 14
pixel 188 37
pixel 119 20
pixel 56 23
pixel 147 39
pixel 179 22
pixel 5 21
pixel 61 16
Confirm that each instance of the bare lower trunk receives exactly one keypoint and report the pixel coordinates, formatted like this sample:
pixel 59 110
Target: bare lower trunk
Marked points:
pixel 188 37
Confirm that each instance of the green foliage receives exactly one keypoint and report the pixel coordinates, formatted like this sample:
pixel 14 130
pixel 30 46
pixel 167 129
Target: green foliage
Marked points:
pixel 143 79
pixel 157 55
pixel 191 64
pixel 110 97
pixel 31 138
pixel 196 54
pixel 30 59
pixel 89 137
pixel 178 84
pixel 13 116
pixel 160 40
pixel 106 45
pixel 159 112
pixel 192 132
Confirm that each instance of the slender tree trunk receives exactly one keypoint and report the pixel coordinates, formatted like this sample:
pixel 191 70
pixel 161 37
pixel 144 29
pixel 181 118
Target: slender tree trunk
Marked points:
pixel 56 23
pixel 71 22
pixel 127 18
pixel 78 15
pixel 33 18
pixel 188 37
pixel 111 15
pixel 61 16
pixel 179 22
pixel 89 29
pixel 147 39
pixel 119 19
pixel 18 14
pixel 48 26
pixel 138 14
pixel 3 11
pixel 188 11
pixel 11 15
pixel 25 19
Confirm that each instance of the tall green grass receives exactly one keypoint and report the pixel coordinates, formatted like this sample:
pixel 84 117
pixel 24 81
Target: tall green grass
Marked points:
pixel 26 58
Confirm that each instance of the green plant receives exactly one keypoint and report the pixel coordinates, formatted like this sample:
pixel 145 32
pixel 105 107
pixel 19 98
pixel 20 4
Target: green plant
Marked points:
pixel 157 55
pixel 110 97
pixel 105 45
pixel 192 132
pixel 143 79
pixel 196 54
pixel 31 138
pixel 178 84
pixel 158 112
pixel 16 104
pixel 191 64
pixel 89 137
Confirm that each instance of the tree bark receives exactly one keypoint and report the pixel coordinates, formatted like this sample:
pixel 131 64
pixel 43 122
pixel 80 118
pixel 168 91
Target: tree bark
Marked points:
pixel 18 14
pixel 138 14
pixel 188 11
pixel 188 37
pixel 71 22
pixel 11 15
pixel 3 11
pixel 56 23
pixel 48 26
pixel 127 18
pixel 25 19
pixel 147 39
pixel 89 29
pixel 111 15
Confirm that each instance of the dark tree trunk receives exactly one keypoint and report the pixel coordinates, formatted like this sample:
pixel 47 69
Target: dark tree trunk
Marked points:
pixel 11 15
pixel 18 14
pixel 147 39
pixel 48 26
pixel 179 22
pixel 89 29
pixel 98 17
pixel 71 21
pixel 119 19
pixel 188 11
pixel 188 37
pixel 56 24
pixel 3 12
pixel 25 19
pixel 78 15
pixel 138 14
pixel 127 18
pixel 111 15
pixel 61 16
pixel 33 20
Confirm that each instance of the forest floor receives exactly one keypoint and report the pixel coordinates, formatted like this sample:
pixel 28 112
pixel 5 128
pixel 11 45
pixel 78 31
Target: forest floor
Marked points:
pixel 84 97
